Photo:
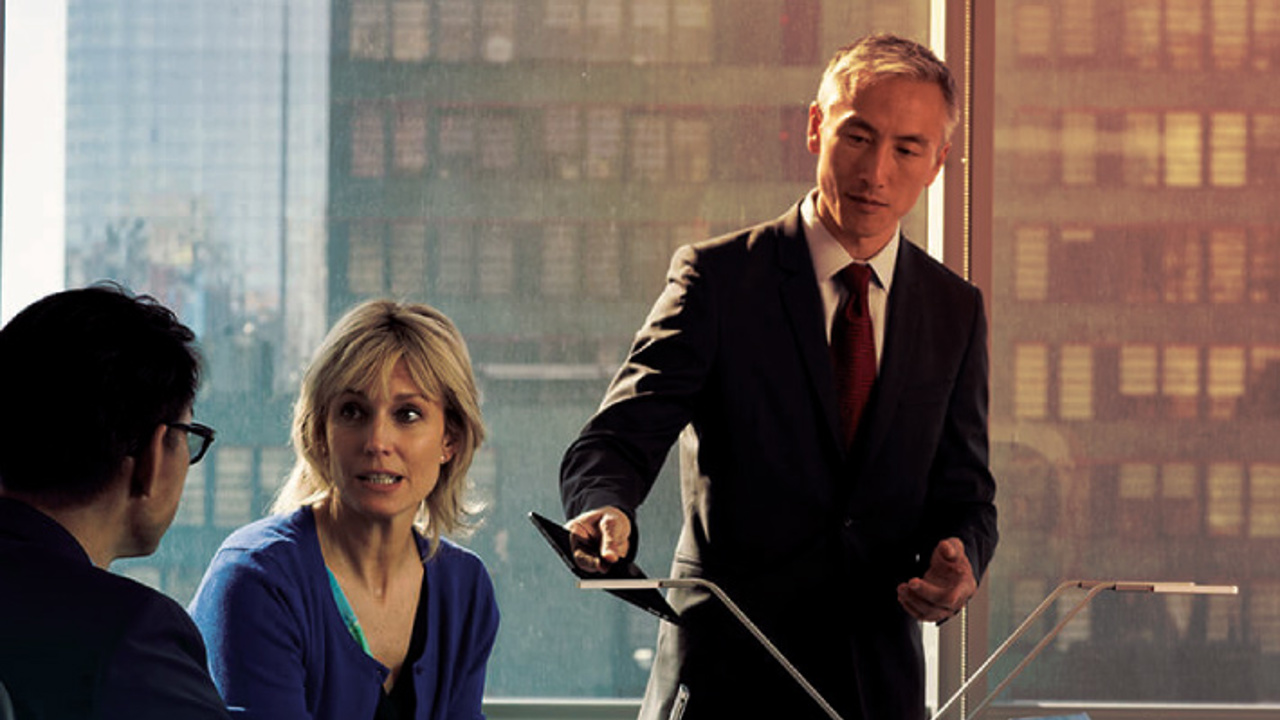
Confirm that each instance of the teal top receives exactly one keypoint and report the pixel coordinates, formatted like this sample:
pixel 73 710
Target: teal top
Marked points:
pixel 348 615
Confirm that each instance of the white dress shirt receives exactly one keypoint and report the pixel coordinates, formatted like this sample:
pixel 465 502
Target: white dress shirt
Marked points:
pixel 830 257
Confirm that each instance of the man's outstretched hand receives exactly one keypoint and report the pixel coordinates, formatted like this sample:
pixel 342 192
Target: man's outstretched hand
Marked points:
pixel 946 586
pixel 599 538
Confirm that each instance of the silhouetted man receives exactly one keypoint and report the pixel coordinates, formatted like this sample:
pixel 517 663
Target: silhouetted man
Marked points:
pixel 96 387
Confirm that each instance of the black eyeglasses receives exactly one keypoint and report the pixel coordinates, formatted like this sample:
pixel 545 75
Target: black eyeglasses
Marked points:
pixel 204 432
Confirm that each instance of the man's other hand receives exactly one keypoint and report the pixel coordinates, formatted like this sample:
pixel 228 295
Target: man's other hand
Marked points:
pixel 946 586
pixel 599 538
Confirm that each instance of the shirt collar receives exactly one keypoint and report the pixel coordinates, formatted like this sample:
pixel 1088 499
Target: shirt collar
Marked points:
pixel 829 256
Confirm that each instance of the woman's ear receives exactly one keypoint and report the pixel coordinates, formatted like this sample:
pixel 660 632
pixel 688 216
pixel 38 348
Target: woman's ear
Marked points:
pixel 147 464
pixel 447 449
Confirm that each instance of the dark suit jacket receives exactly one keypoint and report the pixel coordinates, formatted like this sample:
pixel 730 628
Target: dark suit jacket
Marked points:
pixel 809 537
pixel 77 642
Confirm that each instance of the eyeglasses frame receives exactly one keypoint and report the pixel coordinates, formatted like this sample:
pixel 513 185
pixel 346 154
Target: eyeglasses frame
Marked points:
pixel 200 430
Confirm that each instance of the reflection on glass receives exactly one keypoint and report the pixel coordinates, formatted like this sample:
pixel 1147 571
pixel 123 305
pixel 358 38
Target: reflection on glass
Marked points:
pixel 1136 383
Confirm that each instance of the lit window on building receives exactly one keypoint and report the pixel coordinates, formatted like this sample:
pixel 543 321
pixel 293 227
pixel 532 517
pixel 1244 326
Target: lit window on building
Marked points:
pixel 410 30
pixel 1076 383
pixel 1141 149
pixel 1079 149
pixel 1183 150
pixel 1034 30
pixel 1185 30
pixel 1142 35
pixel 1031 381
pixel 1227 156
pixel 1228 259
pixel 1035 147
pixel 1224 508
pixel 1139 367
pixel 1031 263
pixel 1079 31
pixel 1266 34
pixel 1264 500
pixel 1180 383
pixel 1230 34
pixel 1226 381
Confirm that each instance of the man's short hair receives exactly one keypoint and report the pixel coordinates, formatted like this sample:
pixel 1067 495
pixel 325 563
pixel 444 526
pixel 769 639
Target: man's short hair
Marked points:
pixel 883 55
pixel 86 376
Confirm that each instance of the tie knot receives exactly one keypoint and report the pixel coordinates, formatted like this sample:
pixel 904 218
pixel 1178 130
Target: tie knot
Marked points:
pixel 857 276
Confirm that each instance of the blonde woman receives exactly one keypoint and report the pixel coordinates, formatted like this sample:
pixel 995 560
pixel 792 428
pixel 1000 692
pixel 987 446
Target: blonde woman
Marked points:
pixel 347 603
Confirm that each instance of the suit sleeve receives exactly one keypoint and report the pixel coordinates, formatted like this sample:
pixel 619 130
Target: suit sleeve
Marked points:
pixel 619 453
pixel 158 671
pixel 255 638
pixel 961 500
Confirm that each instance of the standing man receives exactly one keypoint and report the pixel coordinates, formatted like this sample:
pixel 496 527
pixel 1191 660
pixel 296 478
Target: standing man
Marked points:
pixel 97 388
pixel 833 439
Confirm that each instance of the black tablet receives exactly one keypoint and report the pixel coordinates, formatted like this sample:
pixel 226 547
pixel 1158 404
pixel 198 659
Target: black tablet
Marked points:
pixel 648 600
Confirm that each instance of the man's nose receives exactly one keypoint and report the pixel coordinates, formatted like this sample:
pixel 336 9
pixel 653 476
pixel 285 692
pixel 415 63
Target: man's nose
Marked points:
pixel 875 164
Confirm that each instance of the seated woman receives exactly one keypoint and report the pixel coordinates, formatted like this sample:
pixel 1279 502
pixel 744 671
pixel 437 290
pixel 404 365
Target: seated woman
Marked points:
pixel 347 604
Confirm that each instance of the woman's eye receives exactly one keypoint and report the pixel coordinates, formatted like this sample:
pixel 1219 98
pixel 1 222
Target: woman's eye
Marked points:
pixel 408 415
pixel 350 411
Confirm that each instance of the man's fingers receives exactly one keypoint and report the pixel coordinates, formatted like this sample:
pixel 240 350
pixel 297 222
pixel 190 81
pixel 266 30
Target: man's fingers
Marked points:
pixel 599 538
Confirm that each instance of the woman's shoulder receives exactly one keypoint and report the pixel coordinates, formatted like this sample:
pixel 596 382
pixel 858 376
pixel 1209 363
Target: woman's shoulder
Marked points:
pixel 282 537
pixel 458 563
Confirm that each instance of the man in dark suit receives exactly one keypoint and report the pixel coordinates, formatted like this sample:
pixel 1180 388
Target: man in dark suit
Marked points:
pixel 836 519
pixel 97 388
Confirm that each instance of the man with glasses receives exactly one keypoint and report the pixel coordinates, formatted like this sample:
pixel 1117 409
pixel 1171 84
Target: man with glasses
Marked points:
pixel 97 387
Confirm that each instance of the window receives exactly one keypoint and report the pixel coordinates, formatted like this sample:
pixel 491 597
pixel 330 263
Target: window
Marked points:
pixel 529 167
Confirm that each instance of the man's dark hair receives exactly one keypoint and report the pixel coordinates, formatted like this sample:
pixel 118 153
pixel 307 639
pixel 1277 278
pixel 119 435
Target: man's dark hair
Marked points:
pixel 86 376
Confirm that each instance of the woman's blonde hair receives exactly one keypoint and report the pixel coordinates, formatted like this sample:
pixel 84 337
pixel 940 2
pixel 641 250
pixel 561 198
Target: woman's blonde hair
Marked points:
pixel 362 349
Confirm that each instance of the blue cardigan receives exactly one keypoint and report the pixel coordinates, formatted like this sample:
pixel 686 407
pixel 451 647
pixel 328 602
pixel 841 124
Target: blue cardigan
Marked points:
pixel 278 648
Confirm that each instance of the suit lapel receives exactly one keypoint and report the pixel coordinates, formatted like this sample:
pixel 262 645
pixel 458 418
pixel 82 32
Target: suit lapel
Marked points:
pixel 803 306
pixel 901 321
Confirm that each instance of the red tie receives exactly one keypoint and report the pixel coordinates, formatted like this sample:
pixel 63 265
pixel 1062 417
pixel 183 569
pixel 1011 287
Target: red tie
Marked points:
pixel 853 350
